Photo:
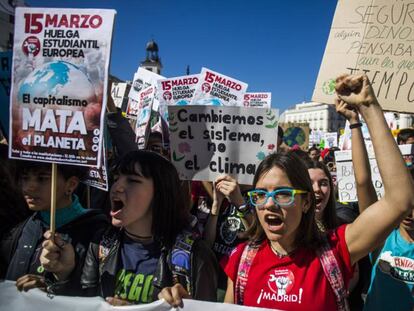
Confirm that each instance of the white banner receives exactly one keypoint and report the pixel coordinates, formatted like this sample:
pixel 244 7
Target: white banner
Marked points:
pixel 258 100
pixel 60 76
pixel 208 141
pixel 346 177
pixel 35 299
pixel 216 89
pixel 118 93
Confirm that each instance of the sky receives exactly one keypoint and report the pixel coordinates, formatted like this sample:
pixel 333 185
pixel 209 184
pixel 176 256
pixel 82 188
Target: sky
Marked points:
pixel 274 46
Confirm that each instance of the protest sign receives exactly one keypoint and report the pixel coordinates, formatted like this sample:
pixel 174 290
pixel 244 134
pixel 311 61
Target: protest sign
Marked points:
pixel 258 100
pixel 36 299
pixel 330 139
pixel 175 91
pixel 143 78
pixel 315 137
pixel 97 176
pixel 216 89
pixel 5 84
pixel 58 94
pixel 296 134
pixel 346 177
pixel 142 126
pixel 118 93
pixel 207 141
pixel 374 37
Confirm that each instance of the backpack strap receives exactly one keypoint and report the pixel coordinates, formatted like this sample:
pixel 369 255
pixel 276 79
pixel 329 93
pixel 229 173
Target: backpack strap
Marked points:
pixel 333 274
pixel 246 260
pixel 180 260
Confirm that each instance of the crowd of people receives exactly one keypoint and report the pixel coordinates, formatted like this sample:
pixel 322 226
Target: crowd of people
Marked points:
pixel 284 242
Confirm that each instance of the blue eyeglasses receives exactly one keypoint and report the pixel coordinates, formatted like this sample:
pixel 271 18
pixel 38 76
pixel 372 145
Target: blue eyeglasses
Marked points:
pixel 281 197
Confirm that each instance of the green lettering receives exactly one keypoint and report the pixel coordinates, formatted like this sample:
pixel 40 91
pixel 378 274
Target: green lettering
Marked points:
pixel 148 289
pixel 135 290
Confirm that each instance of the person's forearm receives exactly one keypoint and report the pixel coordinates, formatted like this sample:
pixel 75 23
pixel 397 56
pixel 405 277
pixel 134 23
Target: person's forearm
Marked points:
pixel 398 185
pixel 365 189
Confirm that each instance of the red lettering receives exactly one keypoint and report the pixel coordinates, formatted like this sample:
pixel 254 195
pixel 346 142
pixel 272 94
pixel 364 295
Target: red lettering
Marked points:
pixel 32 23
pixel 166 85
pixel 84 20
pixel 51 20
pixel 64 21
pixel 95 21
pixel 74 21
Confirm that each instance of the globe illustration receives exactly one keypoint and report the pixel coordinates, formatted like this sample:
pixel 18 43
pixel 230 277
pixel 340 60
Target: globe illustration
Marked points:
pixel 57 79
pixel 294 136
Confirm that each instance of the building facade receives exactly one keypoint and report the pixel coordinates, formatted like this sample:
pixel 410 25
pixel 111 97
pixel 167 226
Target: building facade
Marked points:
pixel 320 117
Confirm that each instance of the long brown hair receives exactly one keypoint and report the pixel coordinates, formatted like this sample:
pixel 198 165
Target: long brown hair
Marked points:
pixel 329 218
pixel 307 234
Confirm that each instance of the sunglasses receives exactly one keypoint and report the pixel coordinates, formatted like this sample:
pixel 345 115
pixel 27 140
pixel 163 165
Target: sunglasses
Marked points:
pixel 282 197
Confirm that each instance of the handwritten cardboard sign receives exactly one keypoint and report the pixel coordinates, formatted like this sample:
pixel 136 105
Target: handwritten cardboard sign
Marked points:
pixel 346 177
pixel 258 100
pixel 216 89
pixel 207 141
pixel 60 76
pixel 375 37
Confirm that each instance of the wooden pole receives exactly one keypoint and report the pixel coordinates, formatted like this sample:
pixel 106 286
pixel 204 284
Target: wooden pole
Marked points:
pixel 53 200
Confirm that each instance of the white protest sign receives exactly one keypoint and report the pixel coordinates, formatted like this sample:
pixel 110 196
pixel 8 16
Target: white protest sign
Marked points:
pixel 331 139
pixel 118 93
pixel 315 137
pixel 143 78
pixel 97 177
pixel 60 75
pixel 207 141
pixel 175 91
pixel 35 299
pixel 216 89
pixel 258 100
pixel 346 177
pixel 375 37
pixel 146 98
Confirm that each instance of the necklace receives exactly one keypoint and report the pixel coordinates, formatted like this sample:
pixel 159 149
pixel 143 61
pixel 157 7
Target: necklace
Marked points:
pixel 279 254
pixel 139 237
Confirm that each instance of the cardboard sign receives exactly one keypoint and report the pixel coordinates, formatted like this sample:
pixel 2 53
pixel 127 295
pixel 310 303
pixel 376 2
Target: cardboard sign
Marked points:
pixel 146 98
pixel 5 85
pixel 176 91
pixel 296 134
pixel 374 37
pixel 207 141
pixel 118 93
pixel 60 76
pixel 218 90
pixel 258 100
pixel 346 177
pixel 315 137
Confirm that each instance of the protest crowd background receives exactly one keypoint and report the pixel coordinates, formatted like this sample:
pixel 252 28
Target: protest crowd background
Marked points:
pixel 193 187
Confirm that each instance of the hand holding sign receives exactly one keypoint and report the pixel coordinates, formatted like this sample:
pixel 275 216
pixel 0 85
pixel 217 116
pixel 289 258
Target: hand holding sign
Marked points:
pixel 355 90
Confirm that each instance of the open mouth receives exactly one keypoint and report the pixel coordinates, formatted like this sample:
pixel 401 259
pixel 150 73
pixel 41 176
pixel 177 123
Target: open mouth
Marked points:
pixel 274 221
pixel 116 205
pixel 318 201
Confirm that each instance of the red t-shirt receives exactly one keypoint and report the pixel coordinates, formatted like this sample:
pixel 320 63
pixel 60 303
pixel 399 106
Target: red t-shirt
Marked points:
pixel 295 282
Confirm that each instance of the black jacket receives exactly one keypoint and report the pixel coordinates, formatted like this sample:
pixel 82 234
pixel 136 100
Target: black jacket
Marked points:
pixel 18 248
pixel 98 277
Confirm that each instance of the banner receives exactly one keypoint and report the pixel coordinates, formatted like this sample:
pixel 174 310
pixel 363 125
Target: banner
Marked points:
pixel 346 177
pixel 216 89
pixel 142 126
pixel 207 141
pixel 118 93
pixel 60 75
pixel 258 100
pixel 97 177
pixel 175 91
pixel 5 85
pixel 35 299
pixel 375 37
pixel 296 134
